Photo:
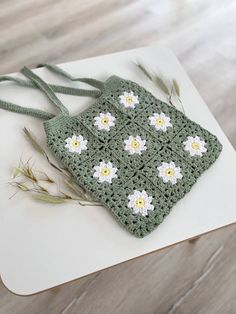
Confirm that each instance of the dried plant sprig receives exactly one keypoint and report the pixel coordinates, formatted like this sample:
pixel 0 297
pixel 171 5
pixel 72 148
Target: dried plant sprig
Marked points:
pixel 49 198
pixel 176 86
pixel 68 177
pixel 27 179
pixel 144 70
pixel 175 91
pixel 75 188
pixel 44 177
pixel 160 82
pixel 169 87
pixel 32 140
pixel 20 185
pixel 26 184
pixel 26 171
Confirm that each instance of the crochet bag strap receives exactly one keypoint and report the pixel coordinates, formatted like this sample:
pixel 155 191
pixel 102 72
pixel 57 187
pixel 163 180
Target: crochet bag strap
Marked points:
pixel 7 105
pixel 36 113
pixel 60 88
pixel 50 90
pixel 46 89
pixel 51 94
pixel 90 81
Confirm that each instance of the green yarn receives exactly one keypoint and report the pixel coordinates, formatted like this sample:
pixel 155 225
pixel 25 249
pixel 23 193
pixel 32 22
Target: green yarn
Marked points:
pixel 135 172
pixel 134 153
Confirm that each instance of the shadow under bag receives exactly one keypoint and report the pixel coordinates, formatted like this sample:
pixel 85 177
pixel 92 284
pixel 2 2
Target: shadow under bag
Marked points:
pixel 132 152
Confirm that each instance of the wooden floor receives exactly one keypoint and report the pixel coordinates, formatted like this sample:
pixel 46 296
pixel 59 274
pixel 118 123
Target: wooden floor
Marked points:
pixel 188 278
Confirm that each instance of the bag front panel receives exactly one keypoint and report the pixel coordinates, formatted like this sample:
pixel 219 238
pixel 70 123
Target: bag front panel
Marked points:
pixel 135 154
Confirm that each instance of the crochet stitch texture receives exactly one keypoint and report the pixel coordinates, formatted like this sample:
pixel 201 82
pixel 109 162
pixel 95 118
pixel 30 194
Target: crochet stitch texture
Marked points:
pixel 134 153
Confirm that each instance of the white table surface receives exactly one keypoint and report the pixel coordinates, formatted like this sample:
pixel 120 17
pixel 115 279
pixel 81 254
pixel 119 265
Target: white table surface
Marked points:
pixel 43 245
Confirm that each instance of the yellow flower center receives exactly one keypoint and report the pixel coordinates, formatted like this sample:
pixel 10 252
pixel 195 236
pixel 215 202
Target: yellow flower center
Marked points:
pixel 195 145
pixel 140 202
pixel 104 120
pixel 160 121
pixel 105 172
pixel 75 143
pixel 170 172
pixel 128 99
pixel 135 144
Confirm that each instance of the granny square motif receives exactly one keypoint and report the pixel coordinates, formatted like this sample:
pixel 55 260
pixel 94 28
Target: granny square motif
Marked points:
pixel 134 153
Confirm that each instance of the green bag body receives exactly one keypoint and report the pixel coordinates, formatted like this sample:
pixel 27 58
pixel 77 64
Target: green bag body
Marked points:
pixel 135 154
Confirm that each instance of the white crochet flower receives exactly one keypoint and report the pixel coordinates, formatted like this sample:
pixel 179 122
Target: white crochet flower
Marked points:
pixel 76 144
pixel 195 146
pixel 169 172
pixel 129 100
pixel 160 121
pixel 140 202
pixel 135 145
pixel 104 121
pixel 105 172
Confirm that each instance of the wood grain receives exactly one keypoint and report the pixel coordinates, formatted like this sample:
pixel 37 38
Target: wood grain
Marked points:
pixel 197 277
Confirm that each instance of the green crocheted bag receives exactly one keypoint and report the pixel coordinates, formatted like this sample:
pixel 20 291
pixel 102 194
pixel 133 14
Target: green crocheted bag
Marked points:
pixel 134 153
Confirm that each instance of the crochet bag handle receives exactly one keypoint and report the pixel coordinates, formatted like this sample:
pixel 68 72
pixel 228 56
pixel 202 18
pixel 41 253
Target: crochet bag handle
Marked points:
pixel 51 94
pixel 50 90
pixel 56 88
pixel 46 89
pixel 9 106
pixel 90 81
